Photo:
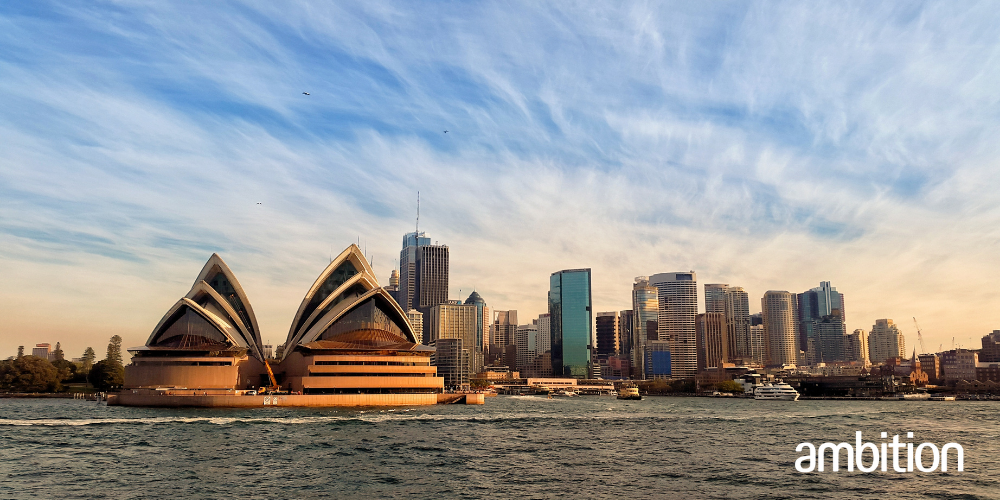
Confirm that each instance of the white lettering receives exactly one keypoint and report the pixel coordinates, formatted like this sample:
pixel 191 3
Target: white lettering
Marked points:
pixel 959 454
pixel 860 449
pixel 835 455
pixel 920 459
pixel 811 457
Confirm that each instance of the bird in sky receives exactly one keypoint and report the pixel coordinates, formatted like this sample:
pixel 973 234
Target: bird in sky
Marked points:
pixel 446 131
pixel 307 93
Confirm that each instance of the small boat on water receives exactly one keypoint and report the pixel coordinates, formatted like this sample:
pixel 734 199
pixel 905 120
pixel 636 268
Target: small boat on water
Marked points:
pixel 942 398
pixel 630 393
pixel 778 392
pixel 565 392
pixel 918 396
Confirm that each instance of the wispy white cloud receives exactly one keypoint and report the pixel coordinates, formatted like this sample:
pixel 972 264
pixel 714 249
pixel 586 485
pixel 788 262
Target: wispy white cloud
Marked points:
pixel 765 145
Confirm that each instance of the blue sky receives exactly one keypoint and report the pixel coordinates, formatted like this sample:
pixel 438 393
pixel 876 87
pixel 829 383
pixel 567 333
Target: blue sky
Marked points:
pixel 767 145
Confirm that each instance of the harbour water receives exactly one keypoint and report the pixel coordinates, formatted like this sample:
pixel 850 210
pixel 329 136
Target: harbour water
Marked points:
pixel 513 447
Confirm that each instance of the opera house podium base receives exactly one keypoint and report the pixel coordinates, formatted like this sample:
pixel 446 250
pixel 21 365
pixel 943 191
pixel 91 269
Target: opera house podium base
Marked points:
pixel 220 399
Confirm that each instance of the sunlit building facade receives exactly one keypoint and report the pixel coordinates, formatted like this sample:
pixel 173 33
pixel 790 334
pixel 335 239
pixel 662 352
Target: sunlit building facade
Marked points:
pixel 678 305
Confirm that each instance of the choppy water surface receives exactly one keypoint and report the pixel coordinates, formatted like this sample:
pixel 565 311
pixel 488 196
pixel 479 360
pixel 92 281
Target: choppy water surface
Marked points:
pixel 513 447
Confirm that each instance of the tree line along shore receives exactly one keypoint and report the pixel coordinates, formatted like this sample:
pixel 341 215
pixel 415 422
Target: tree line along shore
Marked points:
pixel 32 376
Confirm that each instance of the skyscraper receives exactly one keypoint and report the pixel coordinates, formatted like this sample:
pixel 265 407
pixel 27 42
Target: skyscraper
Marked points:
pixel 606 328
pixel 715 297
pixel 779 312
pixel 544 334
pixel 712 340
pixel 678 305
pixel 526 340
pixel 571 323
pixel 482 327
pixel 856 347
pixel 625 338
pixel 885 341
pixel 738 323
pixel 454 320
pixel 504 326
pixel 644 328
pixel 423 275
pixel 814 308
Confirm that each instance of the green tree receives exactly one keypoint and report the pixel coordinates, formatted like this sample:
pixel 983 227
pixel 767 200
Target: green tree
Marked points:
pixel 20 351
pixel 89 356
pixel 115 351
pixel 29 374
pixel 109 373
pixel 729 386
pixel 106 375
pixel 58 353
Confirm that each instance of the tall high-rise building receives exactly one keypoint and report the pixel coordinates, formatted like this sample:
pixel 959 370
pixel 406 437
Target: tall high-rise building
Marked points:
pixel 712 340
pixel 454 320
pixel 423 275
pixel 416 319
pixel 738 323
pixel 625 334
pixel 678 305
pixel 504 326
pixel 715 297
pixel 779 312
pixel 757 344
pixel 830 339
pixel 885 341
pixel 645 306
pixel 483 318
pixel 606 327
pixel 544 334
pixel 526 340
pixel 814 306
pixel 856 347
pixel 571 323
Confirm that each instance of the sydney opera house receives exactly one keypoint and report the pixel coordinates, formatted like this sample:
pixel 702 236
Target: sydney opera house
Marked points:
pixel 349 344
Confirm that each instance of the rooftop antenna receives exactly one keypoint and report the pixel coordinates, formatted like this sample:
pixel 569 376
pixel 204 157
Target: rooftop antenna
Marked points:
pixel 417 229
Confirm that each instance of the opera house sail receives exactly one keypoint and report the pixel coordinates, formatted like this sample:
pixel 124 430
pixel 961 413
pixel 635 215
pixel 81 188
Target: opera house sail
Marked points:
pixel 350 337
pixel 209 339
pixel 349 344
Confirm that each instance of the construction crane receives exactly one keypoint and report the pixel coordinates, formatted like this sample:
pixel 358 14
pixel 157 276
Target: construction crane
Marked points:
pixel 920 336
pixel 274 383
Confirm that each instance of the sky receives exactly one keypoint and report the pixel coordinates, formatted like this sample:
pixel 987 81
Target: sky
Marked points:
pixel 768 145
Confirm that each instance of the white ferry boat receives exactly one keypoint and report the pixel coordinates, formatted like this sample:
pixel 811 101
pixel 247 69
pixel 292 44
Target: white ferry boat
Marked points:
pixel 779 391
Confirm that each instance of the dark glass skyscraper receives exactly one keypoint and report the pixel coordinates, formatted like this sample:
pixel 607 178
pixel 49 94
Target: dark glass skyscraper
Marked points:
pixel 423 275
pixel 571 323
pixel 820 335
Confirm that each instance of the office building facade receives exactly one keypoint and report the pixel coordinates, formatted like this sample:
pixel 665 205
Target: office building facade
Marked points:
pixel 885 341
pixel 712 340
pixel 423 275
pixel 677 295
pixel 571 323
pixel 779 311
pixel 821 343
pixel 645 307
pixel 606 328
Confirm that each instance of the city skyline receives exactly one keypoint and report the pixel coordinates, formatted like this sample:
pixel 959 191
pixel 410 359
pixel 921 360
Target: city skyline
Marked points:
pixel 631 140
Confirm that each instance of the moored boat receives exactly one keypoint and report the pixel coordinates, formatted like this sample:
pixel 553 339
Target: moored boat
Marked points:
pixel 630 393
pixel 779 391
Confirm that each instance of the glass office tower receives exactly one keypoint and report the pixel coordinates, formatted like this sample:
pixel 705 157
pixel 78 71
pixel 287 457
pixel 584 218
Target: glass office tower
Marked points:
pixel 571 323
